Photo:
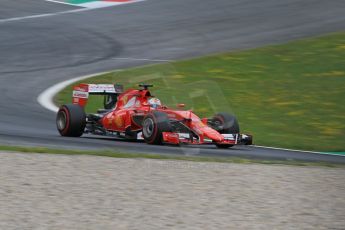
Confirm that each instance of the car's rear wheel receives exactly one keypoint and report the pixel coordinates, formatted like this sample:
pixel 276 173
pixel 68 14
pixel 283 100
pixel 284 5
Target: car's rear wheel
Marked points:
pixel 225 123
pixel 154 124
pixel 71 120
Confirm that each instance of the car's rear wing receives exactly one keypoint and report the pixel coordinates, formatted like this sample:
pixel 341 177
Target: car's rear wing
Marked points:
pixel 82 91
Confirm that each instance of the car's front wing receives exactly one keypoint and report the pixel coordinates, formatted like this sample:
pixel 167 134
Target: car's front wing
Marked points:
pixel 186 138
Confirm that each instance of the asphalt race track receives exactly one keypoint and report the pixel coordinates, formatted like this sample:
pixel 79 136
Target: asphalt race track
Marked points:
pixel 38 52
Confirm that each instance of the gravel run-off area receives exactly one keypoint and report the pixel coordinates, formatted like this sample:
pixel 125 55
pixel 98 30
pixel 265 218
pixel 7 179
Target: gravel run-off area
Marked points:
pixel 47 191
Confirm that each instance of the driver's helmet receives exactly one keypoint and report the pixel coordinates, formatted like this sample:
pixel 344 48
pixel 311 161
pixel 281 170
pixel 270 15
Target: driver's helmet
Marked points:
pixel 154 103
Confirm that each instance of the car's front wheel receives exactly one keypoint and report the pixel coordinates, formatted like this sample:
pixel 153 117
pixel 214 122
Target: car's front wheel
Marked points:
pixel 71 120
pixel 225 123
pixel 154 124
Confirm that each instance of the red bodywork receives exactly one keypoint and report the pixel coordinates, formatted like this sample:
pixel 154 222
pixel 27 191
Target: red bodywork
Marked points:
pixel 133 103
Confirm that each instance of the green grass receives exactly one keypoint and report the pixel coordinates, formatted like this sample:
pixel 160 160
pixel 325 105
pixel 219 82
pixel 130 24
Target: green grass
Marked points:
pixel 118 154
pixel 289 95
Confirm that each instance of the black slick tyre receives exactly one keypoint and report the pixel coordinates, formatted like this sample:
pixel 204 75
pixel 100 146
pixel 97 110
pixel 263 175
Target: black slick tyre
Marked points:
pixel 154 124
pixel 225 123
pixel 71 120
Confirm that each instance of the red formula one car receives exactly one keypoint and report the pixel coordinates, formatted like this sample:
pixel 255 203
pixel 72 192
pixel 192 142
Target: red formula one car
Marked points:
pixel 136 114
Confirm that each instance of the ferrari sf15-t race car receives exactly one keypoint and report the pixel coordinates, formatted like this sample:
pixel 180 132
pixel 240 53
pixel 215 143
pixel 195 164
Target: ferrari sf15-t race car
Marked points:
pixel 136 114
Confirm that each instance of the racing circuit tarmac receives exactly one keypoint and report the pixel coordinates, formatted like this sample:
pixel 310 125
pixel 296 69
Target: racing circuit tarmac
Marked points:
pixel 37 52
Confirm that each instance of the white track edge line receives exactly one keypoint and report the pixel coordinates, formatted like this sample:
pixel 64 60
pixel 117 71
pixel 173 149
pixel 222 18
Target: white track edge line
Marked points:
pixel 141 59
pixel 43 15
pixel 46 100
pixel 64 3
pixel 55 14
pixel 296 150
pixel 96 4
